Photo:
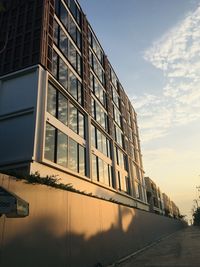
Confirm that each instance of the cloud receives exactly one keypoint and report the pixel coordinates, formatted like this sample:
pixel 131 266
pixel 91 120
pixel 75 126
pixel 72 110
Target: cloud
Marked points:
pixel 177 55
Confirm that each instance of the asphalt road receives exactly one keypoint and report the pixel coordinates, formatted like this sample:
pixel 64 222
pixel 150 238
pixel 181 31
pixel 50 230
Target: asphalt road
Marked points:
pixel 180 249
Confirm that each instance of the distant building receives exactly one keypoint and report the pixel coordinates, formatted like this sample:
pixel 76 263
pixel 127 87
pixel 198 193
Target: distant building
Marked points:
pixel 159 202
pixel 154 197
pixel 63 110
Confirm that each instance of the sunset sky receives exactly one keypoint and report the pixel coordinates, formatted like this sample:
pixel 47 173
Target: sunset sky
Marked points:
pixel 154 47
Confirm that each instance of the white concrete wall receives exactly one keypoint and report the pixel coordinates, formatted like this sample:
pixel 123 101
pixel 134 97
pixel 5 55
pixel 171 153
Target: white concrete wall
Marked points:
pixel 18 101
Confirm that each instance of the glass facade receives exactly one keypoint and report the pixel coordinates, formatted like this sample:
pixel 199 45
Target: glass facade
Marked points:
pixel 92 126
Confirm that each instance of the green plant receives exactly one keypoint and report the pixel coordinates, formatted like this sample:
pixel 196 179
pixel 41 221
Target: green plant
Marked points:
pixel 196 217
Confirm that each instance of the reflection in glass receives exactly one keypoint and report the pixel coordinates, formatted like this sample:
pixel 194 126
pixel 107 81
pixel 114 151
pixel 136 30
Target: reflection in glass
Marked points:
pixel 73 112
pixel 55 32
pixel 55 64
pixel 81 124
pixel 78 67
pixel 81 160
pixel 73 85
pixel 50 143
pixel 73 156
pixel 63 73
pixel 62 149
pixel 94 168
pixel 93 136
pixel 62 109
pixel 63 14
pixel 63 43
pixel 72 29
pixel 101 170
pixel 51 100
pixel 106 173
pixel 72 55
pixel 80 93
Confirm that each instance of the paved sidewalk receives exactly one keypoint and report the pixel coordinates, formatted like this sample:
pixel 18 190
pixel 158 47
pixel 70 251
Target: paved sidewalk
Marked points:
pixel 181 249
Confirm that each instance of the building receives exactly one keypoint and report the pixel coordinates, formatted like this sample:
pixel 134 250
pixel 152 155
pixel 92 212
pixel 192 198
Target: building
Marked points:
pixel 159 202
pixel 63 110
pixel 154 196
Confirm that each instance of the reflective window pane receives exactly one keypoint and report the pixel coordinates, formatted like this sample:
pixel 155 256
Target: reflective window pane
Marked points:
pixel 63 14
pixel 73 85
pixel 63 43
pixel 51 100
pixel 55 65
pixel 81 125
pixel 101 170
pixel 72 55
pixel 94 168
pixel 106 174
pixel 62 149
pixel 73 116
pixel 93 136
pixel 73 156
pixel 62 109
pixel 72 29
pixel 50 142
pixel 55 33
pixel 81 160
pixel 63 73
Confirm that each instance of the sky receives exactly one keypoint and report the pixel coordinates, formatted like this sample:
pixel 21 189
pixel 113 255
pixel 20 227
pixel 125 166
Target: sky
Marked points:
pixel 154 48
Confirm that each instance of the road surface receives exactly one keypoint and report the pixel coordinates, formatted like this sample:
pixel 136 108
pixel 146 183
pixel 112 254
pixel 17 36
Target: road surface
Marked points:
pixel 181 249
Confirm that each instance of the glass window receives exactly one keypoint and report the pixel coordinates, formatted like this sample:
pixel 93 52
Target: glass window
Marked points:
pixel 106 174
pixel 94 168
pixel 101 170
pixel 121 159
pixel 81 160
pixel 50 142
pixel 73 7
pixel 57 105
pixel 51 100
pixel 99 114
pixel 123 183
pixel 62 109
pixel 93 136
pixel 98 90
pixel 79 92
pixel 62 149
pixel 63 73
pixel 63 43
pixel 115 96
pixel 72 29
pixel 73 123
pixel 55 65
pixel 117 116
pixel 73 85
pixel 137 190
pixel 63 14
pixel 100 141
pixel 57 2
pixel 78 39
pixel 73 163
pixel 81 125
pixel 55 34
pixel 72 55
pixel 78 16
pixel 119 137
pixel 78 67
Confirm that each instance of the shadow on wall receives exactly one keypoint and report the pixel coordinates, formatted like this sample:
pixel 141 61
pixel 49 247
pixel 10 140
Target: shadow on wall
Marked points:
pixel 68 229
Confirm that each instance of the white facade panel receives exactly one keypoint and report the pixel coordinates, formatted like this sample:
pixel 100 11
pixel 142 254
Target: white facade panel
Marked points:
pixel 18 100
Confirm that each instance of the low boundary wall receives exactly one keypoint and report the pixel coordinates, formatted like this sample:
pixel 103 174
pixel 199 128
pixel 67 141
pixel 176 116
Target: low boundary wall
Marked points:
pixel 73 230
